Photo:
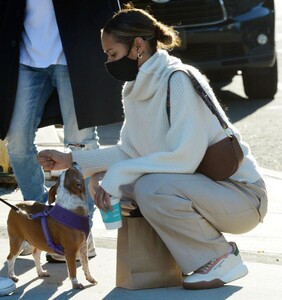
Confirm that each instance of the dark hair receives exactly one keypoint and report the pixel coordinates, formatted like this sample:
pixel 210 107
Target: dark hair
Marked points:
pixel 130 22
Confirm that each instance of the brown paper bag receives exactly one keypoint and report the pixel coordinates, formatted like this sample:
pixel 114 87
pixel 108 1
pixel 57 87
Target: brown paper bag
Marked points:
pixel 143 260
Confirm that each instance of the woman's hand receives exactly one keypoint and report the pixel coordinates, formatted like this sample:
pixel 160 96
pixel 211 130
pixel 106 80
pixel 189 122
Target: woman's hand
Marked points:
pixel 102 200
pixel 54 160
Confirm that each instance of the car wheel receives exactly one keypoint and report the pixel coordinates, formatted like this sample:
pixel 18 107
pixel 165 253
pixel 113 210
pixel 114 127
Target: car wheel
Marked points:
pixel 261 83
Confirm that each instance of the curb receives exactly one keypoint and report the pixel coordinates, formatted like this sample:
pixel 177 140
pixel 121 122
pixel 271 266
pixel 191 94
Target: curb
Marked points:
pixel 248 256
pixel 271 173
pixel 262 258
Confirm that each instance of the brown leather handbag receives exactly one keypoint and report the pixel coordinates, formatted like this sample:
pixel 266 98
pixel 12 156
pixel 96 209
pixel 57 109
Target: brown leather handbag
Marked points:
pixel 223 158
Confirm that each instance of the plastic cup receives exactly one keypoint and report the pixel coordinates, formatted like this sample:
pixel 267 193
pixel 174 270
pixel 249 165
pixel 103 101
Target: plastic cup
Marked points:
pixel 112 219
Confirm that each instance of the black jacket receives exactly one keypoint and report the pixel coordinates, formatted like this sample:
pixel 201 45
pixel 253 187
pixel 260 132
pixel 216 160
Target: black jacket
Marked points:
pixel 97 96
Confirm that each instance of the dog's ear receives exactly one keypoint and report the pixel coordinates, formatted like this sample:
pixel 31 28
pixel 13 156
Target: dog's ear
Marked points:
pixel 74 182
pixel 53 192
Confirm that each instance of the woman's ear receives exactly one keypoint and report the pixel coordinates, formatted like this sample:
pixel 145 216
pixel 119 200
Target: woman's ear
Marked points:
pixel 139 45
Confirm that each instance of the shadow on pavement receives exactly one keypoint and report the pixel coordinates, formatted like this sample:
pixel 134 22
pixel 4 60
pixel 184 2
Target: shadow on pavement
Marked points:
pixel 237 107
pixel 48 286
pixel 173 293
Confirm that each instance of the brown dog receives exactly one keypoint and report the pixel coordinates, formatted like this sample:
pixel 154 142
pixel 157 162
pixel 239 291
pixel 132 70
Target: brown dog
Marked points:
pixel 71 196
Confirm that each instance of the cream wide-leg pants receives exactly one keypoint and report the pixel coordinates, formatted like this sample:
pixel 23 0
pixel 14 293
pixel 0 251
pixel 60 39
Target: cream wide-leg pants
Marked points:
pixel 190 212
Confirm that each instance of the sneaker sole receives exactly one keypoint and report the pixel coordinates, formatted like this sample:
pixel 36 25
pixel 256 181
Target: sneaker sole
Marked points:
pixel 25 253
pixel 52 260
pixel 236 273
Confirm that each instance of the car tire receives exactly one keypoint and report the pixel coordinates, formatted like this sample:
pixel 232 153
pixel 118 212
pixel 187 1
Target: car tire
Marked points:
pixel 261 83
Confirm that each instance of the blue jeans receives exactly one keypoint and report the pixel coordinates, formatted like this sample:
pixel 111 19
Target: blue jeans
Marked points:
pixel 35 85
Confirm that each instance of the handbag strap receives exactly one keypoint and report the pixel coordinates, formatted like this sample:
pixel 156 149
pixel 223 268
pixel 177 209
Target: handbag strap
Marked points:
pixel 202 93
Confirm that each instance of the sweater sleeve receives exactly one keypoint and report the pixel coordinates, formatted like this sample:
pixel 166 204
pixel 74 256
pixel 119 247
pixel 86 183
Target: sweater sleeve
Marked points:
pixel 187 140
pixel 98 160
pixel 94 161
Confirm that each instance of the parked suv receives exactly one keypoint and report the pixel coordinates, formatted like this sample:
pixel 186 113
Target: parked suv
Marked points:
pixel 223 37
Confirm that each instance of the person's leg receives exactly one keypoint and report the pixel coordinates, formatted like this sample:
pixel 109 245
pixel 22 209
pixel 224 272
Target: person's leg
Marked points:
pixel 74 140
pixel 34 88
pixel 189 212
pixel 73 137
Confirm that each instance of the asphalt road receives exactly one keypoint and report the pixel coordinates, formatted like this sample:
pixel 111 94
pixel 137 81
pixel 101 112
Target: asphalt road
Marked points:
pixel 260 121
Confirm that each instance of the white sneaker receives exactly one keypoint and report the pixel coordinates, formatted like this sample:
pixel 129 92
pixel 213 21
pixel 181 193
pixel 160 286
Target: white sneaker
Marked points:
pixel 27 250
pixel 217 272
pixel 7 286
pixel 57 258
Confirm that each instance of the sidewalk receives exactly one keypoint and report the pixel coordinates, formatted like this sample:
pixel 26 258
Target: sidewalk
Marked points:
pixel 261 248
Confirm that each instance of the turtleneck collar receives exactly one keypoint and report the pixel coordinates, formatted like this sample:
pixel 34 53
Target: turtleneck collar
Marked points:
pixel 152 75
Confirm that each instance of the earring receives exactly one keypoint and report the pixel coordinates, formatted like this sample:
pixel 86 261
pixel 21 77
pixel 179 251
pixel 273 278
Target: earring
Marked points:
pixel 139 55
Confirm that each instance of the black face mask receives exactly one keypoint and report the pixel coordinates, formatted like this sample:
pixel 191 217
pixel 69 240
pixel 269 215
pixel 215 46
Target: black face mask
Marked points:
pixel 124 69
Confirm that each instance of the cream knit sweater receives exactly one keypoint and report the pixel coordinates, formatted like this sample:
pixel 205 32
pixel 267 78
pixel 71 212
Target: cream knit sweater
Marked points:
pixel 148 144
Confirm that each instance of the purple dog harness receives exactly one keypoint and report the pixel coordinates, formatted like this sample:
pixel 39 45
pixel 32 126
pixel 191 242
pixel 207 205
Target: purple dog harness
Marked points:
pixel 63 216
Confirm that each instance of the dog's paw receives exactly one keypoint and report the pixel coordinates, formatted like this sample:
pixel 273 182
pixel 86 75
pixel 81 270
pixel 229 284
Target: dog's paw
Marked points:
pixel 14 278
pixel 78 286
pixel 43 274
pixel 91 280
